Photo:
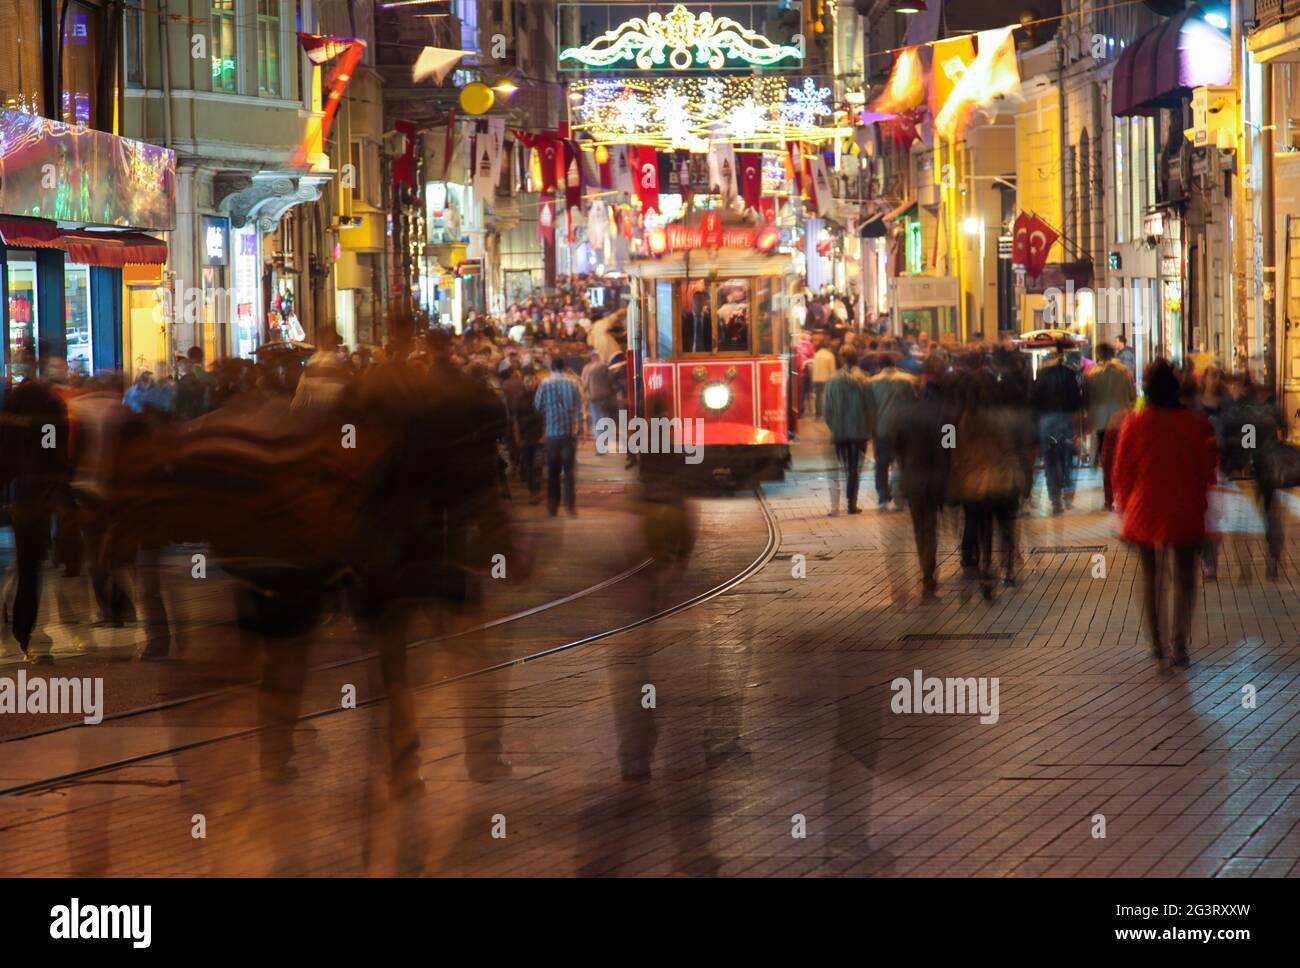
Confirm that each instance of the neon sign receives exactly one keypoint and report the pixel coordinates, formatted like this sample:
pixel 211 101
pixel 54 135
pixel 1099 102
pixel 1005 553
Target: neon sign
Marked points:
pixel 683 40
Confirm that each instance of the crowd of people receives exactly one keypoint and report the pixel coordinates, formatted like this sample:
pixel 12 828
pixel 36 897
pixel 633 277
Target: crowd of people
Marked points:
pixel 967 426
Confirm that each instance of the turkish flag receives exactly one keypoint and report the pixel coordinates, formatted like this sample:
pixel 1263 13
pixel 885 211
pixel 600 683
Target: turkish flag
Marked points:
pixel 645 176
pixel 548 148
pixel 1020 239
pixel 1039 240
pixel 751 177
pixel 767 209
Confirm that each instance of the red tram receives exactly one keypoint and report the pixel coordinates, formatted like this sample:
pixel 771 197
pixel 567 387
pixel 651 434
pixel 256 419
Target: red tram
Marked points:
pixel 708 340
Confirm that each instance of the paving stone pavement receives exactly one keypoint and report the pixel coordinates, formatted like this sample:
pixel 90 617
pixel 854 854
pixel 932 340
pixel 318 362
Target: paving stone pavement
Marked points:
pixel 776 749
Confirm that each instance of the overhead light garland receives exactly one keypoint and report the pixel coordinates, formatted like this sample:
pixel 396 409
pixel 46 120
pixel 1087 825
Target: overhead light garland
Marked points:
pixel 686 112
pixel 682 40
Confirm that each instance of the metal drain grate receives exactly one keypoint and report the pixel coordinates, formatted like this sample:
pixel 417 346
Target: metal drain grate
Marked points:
pixel 1065 549
pixel 957 637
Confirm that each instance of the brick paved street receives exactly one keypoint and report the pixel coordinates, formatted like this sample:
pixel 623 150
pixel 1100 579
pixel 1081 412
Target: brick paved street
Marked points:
pixel 794 671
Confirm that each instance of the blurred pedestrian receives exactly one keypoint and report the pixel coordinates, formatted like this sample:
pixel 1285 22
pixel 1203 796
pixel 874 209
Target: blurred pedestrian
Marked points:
pixel 1057 396
pixel 1110 392
pixel 559 400
pixel 847 399
pixel 1164 468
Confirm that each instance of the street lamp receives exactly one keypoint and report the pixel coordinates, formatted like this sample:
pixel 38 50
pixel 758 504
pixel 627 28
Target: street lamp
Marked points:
pixel 908 6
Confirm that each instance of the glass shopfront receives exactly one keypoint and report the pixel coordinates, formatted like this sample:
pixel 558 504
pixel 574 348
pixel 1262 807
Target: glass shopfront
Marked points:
pixel 77 316
pixel 20 311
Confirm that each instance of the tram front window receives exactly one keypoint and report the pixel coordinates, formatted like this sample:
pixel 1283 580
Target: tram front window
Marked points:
pixel 734 313
pixel 697 319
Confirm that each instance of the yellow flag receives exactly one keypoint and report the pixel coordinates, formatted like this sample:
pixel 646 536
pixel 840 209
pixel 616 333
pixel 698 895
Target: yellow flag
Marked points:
pixel 993 73
pixel 951 57
pixel 906 85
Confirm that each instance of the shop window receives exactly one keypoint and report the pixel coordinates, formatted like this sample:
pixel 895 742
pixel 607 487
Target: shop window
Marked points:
pixel 765 321
pixel 20 56
pixel 268 47
pixel 76 314
pixel 21 310
pixel 663 319
pixel 82 35
pixel 224 43
pixel 134 37
pixel 915 262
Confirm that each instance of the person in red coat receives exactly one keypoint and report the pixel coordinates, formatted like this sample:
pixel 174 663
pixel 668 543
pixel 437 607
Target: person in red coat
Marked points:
pixel 1164 467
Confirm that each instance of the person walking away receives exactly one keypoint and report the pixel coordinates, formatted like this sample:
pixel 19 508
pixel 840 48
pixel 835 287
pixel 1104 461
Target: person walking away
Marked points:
pixel 847 399
pixel 1057 397
pixel 559 401
pixel 992 471
pixel 1164 468
pixel 890 388
pixel 823 369
pixel 918 430
pixel 1109 392
pixel 35 474
pixel 599 390
pixel 530 430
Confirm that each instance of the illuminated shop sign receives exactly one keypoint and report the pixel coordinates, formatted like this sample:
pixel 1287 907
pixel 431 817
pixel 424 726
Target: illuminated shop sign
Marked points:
pixel 215 232
pixel 682 40
pixel 67 173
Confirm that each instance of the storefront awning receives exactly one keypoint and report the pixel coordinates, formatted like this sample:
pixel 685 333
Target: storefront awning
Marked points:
pixel 30 233
pixel 114 249
pixel 1164 64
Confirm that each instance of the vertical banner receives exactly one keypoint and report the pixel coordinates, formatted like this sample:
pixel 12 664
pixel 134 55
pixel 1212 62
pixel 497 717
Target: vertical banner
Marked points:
pixel 794 167
pixel 722 172
pixel 605 162
pixel 497 132
pixel 767 209
pixel 546 219
pixel 598 228
pixel 350 52
pixel 751 177
pixel 620 159
pixel 822 198
pixel 485 186
pixel 572 177
pixel 449 143
pixel 404 164
pixel 646 174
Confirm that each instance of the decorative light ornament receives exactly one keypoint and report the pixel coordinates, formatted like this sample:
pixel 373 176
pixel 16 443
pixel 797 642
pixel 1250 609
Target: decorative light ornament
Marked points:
pixel 670 110
pixel 746 119
pixel 631 112
pixel 477 98
pixel 711 92
pixel 655 40
pixel 807 103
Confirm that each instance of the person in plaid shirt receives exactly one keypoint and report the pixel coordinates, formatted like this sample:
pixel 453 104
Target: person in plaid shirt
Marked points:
pixel 559 400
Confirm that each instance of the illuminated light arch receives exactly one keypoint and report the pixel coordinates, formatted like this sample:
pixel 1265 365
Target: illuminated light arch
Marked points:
pixel 657 40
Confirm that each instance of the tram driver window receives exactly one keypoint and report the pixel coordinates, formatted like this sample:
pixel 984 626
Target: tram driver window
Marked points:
pixel 735 314
pixel 697 317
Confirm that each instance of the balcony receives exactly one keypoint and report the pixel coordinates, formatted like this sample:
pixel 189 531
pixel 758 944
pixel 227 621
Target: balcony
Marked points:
pixel 1276 35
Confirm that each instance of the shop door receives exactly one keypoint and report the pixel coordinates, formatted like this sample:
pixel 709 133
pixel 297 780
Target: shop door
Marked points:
pixel 21 310
pixel 1291 328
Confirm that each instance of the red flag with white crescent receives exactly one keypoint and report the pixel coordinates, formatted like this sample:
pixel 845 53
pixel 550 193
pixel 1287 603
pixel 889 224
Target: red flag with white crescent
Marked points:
pixel 751 177
pixel 1040 240
pixel 767 209
pixel 1020 239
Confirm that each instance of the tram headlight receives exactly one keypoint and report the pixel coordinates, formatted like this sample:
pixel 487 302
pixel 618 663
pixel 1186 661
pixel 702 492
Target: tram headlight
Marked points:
pixel 717 396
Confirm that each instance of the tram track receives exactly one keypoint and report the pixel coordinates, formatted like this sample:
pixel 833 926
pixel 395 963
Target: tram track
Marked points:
pixel 721 588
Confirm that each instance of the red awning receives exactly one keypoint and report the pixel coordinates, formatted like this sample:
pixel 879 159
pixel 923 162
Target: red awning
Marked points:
pixel 114 249
pixel 1164 64
pixel 30 233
